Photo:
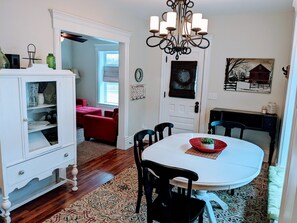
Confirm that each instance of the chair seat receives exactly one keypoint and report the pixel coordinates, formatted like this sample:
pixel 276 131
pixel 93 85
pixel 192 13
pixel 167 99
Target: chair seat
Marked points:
pixel 177 213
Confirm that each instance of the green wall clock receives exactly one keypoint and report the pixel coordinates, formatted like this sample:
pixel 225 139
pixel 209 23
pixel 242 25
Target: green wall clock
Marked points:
pixel 138 74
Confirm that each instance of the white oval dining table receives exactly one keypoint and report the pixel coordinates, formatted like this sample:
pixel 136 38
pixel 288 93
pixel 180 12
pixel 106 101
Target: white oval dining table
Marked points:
pixel 237 165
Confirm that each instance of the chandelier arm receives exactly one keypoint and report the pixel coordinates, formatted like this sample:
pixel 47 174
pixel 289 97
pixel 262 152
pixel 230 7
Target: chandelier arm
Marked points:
pixel 195 44
pixel 189 3
pixel 162 39
pixel 168 43
pixel 172 40
pixel 202 39
pixel 208 43
pixel 172 4
pixel 169 48
pixel 188 15
pixel 185 49
pixel 164 16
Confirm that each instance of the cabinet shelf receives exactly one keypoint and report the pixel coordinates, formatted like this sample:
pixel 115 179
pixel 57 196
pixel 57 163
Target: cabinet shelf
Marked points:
pixel 41 106
pixel 42 128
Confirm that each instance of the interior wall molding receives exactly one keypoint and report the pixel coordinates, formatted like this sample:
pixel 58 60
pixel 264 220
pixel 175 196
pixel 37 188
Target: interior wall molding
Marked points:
pixel 67 22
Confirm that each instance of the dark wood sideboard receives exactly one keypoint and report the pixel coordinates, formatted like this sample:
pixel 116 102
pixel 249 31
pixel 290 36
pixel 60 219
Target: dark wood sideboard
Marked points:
pixel 252 120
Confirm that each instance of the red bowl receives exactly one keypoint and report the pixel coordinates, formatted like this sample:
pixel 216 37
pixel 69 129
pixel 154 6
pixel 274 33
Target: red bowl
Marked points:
pixel 218 145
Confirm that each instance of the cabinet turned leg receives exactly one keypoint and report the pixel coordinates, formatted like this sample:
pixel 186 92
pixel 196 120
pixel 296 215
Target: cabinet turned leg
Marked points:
pixel 74 174
pixel 6 204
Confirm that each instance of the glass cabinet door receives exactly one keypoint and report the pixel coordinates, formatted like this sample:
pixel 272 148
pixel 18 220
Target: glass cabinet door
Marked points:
pixel 41 108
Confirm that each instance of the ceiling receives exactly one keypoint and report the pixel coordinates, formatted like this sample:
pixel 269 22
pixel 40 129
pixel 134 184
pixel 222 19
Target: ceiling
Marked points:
pixel 145 8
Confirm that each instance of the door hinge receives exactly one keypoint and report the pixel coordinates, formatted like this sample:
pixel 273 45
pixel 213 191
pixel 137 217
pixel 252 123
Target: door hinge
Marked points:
pixel 164 94
pixel 166 59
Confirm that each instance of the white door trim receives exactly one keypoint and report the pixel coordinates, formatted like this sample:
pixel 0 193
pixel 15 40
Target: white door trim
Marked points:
pixel 203 124
pixel 68 22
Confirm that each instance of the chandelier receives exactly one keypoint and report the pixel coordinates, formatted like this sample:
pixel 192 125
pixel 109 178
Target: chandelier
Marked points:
pixel 179 29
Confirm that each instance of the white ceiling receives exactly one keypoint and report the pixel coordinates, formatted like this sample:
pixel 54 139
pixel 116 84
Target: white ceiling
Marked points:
pixel 145 8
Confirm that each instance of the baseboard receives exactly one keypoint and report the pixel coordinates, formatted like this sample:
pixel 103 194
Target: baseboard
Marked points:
pixel 125 143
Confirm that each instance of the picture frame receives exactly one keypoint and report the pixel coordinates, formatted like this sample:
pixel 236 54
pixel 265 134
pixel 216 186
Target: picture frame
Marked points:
pixel 252 75
pixel 183 79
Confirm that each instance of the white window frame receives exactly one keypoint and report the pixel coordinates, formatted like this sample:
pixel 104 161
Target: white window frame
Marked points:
pixel 102 48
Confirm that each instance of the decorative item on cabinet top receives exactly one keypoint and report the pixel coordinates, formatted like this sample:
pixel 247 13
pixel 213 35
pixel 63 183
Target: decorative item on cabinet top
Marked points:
pixel 137 92
pixel 31 49
pixel 76 73
pixel 51 61
pixel 14 60
pixel 4 62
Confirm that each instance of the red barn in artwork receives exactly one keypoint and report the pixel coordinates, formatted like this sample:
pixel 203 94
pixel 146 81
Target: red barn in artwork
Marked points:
pixel 259 75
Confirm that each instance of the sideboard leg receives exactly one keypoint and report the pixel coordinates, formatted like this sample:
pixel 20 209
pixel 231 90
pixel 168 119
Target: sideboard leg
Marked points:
pixel 74 174
pixel 6 204
pixel 271 147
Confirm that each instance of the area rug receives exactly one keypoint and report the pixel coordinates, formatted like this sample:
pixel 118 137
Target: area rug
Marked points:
pixel 88 150
pixel 114 202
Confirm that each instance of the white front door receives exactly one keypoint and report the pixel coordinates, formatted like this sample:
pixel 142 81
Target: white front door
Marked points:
pixel 182 109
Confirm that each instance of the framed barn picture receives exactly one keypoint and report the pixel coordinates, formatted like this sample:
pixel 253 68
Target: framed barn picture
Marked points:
pixel 248 75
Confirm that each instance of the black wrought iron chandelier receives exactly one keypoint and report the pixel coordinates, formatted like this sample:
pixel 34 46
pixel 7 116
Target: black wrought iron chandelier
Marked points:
pixel 179 29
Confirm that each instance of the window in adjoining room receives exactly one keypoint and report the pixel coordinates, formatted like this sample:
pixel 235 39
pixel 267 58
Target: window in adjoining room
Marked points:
pixel 108 77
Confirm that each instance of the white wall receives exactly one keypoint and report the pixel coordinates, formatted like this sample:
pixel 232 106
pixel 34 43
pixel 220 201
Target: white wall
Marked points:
pixel 30 22
pixel 250 36
pixel 254 36
pixel 152 80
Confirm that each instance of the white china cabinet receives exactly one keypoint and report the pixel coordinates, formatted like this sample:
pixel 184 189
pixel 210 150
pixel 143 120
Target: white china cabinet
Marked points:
pixel 37 133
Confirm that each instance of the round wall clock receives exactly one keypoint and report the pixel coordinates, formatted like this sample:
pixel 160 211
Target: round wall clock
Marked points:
pixel 138 74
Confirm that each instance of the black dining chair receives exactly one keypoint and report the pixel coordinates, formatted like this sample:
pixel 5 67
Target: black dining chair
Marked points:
pixel 159 130
pixel 167 205
pixel 139 146
pixel 229 126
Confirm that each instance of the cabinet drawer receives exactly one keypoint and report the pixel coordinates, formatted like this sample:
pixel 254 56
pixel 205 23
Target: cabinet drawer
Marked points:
pixel 33 168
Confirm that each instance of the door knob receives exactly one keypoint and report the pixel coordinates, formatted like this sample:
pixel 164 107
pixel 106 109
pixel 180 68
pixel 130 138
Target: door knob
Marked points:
pixel 196 107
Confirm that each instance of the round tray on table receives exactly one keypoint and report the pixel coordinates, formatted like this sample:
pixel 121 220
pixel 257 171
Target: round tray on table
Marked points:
pixel 218 145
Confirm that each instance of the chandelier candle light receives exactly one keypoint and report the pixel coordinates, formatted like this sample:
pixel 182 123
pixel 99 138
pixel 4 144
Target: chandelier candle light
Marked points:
pixel 178 30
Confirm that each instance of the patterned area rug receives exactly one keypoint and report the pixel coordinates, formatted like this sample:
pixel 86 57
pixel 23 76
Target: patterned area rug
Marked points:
pixel 114 202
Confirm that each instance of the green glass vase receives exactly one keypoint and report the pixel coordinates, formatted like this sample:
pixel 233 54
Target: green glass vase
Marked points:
pixel 4 62
pixel 51 61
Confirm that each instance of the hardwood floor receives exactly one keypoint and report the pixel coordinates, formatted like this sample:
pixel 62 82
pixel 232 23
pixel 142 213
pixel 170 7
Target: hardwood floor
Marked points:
pixel 90 176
